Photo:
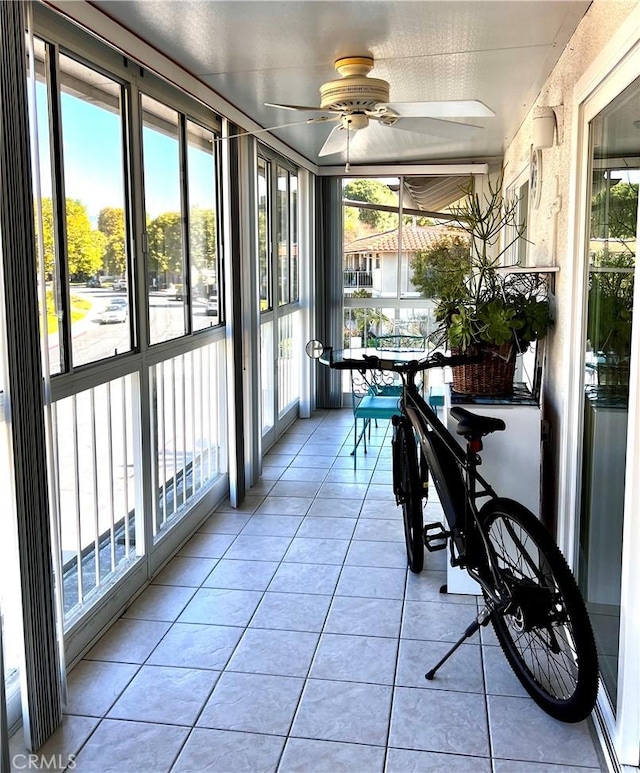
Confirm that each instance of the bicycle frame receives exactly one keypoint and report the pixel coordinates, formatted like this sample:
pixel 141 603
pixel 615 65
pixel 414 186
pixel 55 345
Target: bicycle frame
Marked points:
pixel 471 544
pixel 467 535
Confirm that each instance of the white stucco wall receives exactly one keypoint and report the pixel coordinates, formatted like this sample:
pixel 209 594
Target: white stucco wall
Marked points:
pixel 548 225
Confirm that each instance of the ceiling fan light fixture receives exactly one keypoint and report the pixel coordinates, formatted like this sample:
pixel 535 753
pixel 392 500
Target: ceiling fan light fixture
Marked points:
pixel 355 121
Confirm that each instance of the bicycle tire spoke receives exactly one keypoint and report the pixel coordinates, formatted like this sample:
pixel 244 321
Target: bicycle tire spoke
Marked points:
pixel 537 623
pixel 559 673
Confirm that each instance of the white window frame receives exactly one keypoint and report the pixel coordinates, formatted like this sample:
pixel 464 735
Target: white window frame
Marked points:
pixel 617 66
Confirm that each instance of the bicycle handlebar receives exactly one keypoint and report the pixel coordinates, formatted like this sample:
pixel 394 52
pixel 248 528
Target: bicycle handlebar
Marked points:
pixel 376 362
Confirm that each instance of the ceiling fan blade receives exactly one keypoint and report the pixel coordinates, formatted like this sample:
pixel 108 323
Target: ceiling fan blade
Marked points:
pixel 336 142
pixel 299 107
pixel 436 127
pixel 453 108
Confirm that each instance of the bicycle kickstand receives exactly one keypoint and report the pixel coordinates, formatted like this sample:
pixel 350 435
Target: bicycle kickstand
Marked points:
pixel 481 619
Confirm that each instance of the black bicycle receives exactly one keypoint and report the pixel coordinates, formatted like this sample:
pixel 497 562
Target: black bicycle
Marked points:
pixel 530 595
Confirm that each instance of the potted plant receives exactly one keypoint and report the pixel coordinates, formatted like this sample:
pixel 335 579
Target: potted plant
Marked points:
pixel 486 309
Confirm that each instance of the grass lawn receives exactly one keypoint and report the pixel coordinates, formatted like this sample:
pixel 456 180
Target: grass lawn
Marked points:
pixel 79 308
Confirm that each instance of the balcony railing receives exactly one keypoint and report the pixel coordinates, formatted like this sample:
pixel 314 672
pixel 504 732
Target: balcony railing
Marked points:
pixel 357 278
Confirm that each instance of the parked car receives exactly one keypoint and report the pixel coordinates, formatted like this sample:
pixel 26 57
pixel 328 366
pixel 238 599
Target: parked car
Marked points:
pixel 212 306
pixel 120 285
pixel 113 314
pixel 94 281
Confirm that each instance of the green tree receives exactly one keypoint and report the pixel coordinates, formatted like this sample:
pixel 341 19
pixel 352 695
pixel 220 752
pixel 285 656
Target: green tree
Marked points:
pixel 614 212
pixel 440 270
pixel 111 224
pixel 373 192
pixel 611 303
pixel 165 244
pixel 85 245
pixel 47 236
pixel 202 237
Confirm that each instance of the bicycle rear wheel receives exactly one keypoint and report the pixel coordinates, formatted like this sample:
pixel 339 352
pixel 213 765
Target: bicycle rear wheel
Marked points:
pixel 408 491
pixel 545 631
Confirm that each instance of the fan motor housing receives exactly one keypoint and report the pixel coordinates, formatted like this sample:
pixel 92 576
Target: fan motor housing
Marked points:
pixel 353 93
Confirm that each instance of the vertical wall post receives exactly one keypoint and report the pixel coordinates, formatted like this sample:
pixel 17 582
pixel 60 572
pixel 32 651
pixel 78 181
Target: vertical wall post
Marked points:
pixel 41 695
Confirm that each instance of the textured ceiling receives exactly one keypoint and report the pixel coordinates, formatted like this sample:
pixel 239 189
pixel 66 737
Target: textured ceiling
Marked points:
pixel 255 52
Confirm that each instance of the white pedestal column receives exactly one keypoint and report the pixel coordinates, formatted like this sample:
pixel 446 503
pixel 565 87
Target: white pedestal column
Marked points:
pixel 510 461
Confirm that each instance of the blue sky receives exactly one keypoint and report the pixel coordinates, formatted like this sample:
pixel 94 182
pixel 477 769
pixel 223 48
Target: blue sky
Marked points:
pixel 94 167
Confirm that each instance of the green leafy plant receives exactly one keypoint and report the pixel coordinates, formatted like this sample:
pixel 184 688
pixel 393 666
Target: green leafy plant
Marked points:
pixel 610 303
pixel 480 303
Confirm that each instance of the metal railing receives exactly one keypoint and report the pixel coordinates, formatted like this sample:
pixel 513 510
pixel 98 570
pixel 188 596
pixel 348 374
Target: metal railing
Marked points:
pixel 96 486
pixel 289 329
pixel 186 424
pixel 357 279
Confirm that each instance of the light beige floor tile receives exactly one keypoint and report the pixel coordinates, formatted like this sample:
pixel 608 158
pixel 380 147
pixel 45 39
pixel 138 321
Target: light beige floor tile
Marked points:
pixel 545 741
pixel 440 721
pixel 165 694
pixel 241 575
pixel 129 641
pixel 272 704
pixel 160 602
pixel 221 606
pixel 94 686
pixel 343 711
pixel 118 746
pixel 226 751
pixel 189 645
pixel 302 755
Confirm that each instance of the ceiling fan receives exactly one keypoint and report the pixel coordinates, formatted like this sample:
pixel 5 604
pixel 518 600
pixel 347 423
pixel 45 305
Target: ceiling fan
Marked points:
pixel 355 99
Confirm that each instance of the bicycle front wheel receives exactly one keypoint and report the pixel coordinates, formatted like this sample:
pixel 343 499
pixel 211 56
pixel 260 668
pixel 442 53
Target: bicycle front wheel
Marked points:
pixel 408 491
pixel 545 631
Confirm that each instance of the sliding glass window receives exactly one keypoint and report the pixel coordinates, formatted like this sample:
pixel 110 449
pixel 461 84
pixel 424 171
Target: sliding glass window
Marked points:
pixel 203 226
pixel 127 219
pixel 164 215
pixel 384 235
pixel 182 263
pixel 82 222
pixel 278 269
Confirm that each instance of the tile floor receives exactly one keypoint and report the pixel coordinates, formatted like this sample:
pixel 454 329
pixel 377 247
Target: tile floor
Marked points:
pixel 288 635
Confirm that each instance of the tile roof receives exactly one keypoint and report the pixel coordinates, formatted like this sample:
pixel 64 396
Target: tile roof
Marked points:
pixel 413 238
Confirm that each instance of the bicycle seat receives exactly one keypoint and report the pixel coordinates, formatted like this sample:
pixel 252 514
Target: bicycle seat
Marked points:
pixel 472 425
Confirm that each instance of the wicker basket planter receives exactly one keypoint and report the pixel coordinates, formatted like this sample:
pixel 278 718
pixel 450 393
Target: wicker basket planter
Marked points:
pixel 491 377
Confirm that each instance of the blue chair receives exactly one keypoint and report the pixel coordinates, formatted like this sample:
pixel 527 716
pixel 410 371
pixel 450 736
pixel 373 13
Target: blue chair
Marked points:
pixel 436 397
pixel 377 395
pixel 372 405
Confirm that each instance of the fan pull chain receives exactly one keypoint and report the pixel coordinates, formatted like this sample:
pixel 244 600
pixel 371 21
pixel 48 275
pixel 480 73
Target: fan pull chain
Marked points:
pixel 347 167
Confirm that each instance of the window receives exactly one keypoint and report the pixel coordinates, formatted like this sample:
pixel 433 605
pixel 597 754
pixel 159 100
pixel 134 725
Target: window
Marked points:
pixel 97 198
pixel 83 217
pixel 516 245
pixel 264 236
pixel 383 232
pixel 182 271
pixel 282 235
pixel 279 288
pixel 164 216
pixel 609 359
pixel 203 228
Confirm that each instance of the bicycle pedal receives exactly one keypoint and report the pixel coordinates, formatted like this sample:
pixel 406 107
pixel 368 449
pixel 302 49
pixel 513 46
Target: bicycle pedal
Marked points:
pixel 435 536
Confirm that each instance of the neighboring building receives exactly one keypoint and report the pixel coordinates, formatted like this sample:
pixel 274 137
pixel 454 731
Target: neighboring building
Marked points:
pixel 371 262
